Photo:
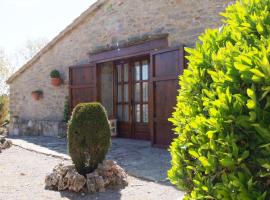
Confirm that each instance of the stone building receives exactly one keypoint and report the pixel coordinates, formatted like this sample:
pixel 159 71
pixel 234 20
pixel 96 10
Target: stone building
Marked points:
pixel 126 54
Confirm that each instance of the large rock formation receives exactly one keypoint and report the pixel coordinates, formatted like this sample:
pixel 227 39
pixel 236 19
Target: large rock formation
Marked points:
pixel 108 174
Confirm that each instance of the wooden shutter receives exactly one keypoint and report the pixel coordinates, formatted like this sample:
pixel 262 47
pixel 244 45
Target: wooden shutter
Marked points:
pixel 166 66
pixel 83 84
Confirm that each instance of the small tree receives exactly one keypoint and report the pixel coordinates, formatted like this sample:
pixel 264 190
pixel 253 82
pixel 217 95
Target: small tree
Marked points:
pixel 66 111
pixel 89 136
pixel 223 110
pixel 4 110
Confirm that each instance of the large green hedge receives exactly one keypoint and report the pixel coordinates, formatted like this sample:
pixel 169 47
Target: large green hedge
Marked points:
pixel 89 136
pixel 223 110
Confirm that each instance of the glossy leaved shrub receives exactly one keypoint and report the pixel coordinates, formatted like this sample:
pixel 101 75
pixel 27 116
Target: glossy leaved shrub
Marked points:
pixel 89 136
pixel 222 116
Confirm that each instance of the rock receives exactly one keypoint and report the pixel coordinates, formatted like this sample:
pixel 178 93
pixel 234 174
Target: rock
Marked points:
pixel 67 178
pixel 77 182
pixel 7 144
pixel 51 181
pixel 63 184
pixel 108 174
pixel 2 139
pixel 0 149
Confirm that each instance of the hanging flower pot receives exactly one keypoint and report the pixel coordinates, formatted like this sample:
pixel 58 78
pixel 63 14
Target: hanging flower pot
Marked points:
pixel 37 95
pixel 55 78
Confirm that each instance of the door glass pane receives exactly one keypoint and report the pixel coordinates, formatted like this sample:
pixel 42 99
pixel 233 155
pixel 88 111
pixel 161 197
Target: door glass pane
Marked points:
pixel 145 91
pixel 145 113
pixel 126 92
pixel 119 112
pixel 119 93
pixel 137 92
pixel 137 74
pixel 119 78
pixel 126 72
pixel 145 70
pixel 126 117
pixel 138 112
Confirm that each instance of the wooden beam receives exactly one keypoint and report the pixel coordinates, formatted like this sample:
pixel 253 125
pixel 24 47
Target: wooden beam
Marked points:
pixel 120 53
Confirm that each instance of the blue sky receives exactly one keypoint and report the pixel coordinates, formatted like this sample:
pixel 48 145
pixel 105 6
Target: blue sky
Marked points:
pixel 21 20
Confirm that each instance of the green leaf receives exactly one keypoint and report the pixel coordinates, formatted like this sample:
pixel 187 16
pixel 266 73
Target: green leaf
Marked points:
pixel 210 134
pixel 244 156
pixel 227 162
pixel 251 93
pixel 251 104
pixel 193 153
pixel 204 161
pixel 257 73
pixel 241 67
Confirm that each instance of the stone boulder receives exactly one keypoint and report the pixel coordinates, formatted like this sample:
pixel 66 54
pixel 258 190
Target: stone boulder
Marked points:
pixel 65 177
pixel 108 174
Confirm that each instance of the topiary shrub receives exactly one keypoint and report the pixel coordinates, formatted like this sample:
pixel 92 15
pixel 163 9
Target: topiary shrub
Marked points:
pixel 88 136
pixel 223 110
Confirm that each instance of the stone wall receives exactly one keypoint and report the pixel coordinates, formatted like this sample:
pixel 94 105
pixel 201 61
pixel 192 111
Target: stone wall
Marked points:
pixel 20 127
pixel 114 21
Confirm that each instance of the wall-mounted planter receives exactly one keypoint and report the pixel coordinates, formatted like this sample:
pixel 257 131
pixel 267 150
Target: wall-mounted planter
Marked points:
pixel 56 82
pixel 37 95
pixel 55 78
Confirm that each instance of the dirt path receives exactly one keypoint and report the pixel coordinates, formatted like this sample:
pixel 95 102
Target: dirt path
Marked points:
pixel 22 175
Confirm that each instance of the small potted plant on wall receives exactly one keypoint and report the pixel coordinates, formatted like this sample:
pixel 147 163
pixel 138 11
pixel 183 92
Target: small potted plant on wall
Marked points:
pixel 37 94
pixel 55 78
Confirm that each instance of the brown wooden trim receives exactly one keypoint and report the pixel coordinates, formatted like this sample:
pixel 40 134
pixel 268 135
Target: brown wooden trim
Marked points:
pixel 81 86
pixel 165 78
pixel 96 82
pixel 151 100
pixel 136 50
pixel 69 90
pixel 82 66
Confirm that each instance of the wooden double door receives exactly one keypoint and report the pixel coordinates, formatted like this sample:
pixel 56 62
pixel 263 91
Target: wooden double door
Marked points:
pixel 132 97
pixel 144 92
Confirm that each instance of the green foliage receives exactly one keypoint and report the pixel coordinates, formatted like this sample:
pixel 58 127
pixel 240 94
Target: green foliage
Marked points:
pixel 223 110
pixel 55 74
pixel 4 109
pixel 66 110
pixel 89 136
pixel 39 92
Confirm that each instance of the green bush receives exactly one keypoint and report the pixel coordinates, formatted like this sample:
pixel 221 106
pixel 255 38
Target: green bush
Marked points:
pixel 55 74
pixel 4 109
pixel 223 110
pixel 88 136
pixel 66 110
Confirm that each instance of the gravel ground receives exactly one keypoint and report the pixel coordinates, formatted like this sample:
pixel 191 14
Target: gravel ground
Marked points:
pixel 22 174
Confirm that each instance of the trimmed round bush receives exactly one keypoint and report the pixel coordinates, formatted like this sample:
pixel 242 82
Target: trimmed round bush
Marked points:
pixel 55 74
pixel 222 117
pixel 89 136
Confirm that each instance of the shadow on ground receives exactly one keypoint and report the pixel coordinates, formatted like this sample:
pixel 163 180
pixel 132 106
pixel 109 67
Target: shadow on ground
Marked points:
pixel 109 194
pixel 138 158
